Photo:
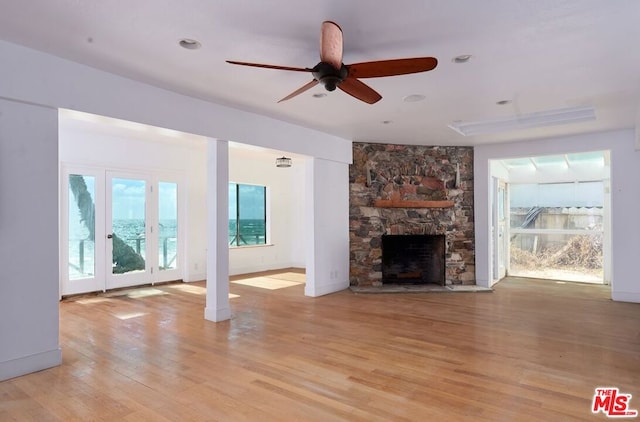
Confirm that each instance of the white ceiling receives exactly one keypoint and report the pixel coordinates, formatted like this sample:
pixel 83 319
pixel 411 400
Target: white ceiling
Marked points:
pixel 542 55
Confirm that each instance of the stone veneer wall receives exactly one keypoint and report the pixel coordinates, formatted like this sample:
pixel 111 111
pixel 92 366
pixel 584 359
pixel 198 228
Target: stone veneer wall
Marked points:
pixel 407 172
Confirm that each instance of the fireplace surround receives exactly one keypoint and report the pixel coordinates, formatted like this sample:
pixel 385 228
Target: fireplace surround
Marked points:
pixel 410 190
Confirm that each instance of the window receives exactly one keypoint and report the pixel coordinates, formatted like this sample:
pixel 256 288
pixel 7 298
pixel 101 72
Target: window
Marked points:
pixel 247 215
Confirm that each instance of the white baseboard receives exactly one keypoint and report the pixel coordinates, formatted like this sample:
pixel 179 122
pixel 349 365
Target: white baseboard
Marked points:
pixel 258 268
pixel 217 315
pixel 28 364
pixel 195 277
pixel 325 289
pixel 625 296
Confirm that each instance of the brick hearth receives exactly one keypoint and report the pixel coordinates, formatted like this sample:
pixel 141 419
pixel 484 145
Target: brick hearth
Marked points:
pixel 435 184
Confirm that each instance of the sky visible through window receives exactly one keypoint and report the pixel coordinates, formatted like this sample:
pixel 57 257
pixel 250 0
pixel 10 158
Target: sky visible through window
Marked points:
pixel 251 202
pixel 128 199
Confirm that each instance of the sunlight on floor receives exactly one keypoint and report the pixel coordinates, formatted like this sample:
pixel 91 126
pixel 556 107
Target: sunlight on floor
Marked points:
pixel 92 300
pixel 268 282
pixel 196 290
pixel 291 276
pixel 130 315
pixel 140 293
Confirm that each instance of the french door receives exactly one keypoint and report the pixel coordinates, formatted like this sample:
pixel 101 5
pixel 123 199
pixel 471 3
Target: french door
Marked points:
pixel 118 229
pixel 129 241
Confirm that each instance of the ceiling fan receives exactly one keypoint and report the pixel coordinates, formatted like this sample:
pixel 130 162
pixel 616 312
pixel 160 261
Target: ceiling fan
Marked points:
pixel 332 73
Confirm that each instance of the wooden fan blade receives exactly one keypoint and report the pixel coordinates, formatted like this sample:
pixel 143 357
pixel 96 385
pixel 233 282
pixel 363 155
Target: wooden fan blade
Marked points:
pixel 300 90
pixel 270 66
pixel 378 69
pixel 359 90
pixel 331 44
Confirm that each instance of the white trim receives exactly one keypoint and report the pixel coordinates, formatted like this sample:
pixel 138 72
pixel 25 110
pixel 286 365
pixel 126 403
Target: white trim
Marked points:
pixel 248 269
pixel 217 314
pixel 193 277
pixel 321 289
pixel 28 364
pixel 625 296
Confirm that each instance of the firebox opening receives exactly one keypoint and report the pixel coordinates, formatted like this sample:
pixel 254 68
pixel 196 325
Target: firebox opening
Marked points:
pixel 413 259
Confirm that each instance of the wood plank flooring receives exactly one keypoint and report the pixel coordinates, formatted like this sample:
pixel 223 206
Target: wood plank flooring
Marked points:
pixel 530 351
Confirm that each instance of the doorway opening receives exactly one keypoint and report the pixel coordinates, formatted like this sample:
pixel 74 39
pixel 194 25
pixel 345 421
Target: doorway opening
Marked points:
pixel 551 217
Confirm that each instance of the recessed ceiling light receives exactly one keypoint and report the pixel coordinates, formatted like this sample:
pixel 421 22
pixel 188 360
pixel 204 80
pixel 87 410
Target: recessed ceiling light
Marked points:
pixel 189 44
pixel 503 102
pixel 463 58
pixel 413 98
pixel 319 95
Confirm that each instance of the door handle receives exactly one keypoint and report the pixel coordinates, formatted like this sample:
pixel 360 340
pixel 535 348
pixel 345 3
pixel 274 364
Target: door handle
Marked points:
pixel 109 236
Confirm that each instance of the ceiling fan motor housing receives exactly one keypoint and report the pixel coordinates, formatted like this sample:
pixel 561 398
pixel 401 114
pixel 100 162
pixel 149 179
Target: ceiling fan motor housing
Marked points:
pixel 329 76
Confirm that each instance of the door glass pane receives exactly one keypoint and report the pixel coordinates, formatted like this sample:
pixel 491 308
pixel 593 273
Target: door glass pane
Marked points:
pixel 82 226
pixel 168 225
pixel 128 225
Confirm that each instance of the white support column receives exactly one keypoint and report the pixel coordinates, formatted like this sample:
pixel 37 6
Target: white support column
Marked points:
pixel 327 214
pixel 217 303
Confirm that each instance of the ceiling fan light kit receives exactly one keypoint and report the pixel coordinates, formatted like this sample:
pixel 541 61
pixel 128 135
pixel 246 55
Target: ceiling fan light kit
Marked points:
pixel 526 121
pixel 332 73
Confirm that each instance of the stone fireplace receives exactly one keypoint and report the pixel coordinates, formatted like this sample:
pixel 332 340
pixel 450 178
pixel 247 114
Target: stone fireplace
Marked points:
pixel 413 259
pixel 411 191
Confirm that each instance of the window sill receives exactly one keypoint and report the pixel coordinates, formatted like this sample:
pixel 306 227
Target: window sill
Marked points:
pixel 251 246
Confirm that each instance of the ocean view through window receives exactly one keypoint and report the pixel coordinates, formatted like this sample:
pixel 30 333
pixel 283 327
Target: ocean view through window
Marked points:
pixel 247 214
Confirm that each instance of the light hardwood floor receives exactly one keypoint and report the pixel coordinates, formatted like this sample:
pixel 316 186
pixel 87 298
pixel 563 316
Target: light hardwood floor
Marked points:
pixel 531 350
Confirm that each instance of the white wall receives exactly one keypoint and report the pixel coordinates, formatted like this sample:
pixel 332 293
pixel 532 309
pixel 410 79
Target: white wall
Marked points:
pixel 625 200
pixel 104 145
pixel 284 210
pixel 32 77
pixel 28 239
